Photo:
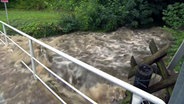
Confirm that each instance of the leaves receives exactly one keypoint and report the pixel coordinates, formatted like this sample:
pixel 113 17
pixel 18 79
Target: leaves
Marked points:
pixel 174 15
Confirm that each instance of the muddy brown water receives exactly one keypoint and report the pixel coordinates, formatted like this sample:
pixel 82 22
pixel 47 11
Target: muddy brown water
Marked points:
pixel 17 86
pixel 109 52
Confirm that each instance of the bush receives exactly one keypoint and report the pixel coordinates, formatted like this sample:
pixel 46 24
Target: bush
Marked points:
pixel 108 15
pixel 143 13
pixel 68 23
pixel 92 15
pixel 31 4
pixel 112 15
pixel 37 29
pixel 66 5
pixel 105 15
pixel 174 15
pixel 88 15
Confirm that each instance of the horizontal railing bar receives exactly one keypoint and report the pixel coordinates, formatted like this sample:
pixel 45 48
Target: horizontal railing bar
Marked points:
pixel 65 82
pixel 55 75
pixel 61 100
pixel 2 41
pixel 95 70
pixel 18 46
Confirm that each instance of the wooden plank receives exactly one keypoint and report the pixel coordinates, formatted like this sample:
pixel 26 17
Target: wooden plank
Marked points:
pixel 161 65
pixel 151 59
pixel 163 84
pixel 133 62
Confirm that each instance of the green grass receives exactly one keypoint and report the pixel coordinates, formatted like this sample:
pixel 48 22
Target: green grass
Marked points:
pixel 33 16
pixel 35 23
pixel 178 37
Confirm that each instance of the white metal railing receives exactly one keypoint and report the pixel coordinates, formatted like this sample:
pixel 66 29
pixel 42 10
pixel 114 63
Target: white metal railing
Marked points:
pixel 136 91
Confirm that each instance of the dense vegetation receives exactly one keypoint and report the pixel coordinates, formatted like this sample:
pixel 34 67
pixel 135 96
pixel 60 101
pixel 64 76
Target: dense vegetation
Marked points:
pixel 108 15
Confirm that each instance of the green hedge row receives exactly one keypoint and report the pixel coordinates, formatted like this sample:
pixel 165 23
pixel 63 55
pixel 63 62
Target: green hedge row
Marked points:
pixel 36 29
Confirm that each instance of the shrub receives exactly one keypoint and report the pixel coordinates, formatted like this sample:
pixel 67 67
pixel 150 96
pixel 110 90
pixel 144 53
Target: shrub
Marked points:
pixel 113 15
pixel 37 29
pixel 68 23
pixel 88 15
pixel 66 5
pixel 174 15
pixel 31 4
pixel 142 13
pixel 92 15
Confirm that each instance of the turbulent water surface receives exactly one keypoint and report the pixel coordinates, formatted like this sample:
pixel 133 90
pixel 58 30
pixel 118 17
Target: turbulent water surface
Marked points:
pixel 109 52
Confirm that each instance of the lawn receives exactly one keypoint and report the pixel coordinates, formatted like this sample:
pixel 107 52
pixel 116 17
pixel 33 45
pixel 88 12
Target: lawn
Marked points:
pixel 34 16
pixel 35 23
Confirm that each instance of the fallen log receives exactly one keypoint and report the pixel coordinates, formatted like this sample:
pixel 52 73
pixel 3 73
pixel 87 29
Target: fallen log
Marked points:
pixel 171 80
pixel 150 60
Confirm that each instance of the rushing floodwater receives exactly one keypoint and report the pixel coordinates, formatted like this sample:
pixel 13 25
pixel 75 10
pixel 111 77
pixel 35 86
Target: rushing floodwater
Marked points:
pixel 109 52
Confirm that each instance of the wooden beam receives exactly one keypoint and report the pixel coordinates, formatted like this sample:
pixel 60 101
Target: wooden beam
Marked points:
pixel 133 62
pixel 171 80
pixel 150 60
pixel 160 64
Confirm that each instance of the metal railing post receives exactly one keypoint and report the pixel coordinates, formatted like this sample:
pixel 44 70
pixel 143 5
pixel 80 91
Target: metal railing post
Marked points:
pixel 4 31
pixel 32 55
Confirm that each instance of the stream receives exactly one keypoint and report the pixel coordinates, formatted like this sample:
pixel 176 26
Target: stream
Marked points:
pixel 109 52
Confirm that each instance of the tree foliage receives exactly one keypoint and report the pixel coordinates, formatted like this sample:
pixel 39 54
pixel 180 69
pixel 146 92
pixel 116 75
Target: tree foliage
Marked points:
pixel 96 15
pixel 174 15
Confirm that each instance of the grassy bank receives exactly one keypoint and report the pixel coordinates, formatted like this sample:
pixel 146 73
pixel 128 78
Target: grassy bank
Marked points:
pixel 178 37
pixel 35 23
